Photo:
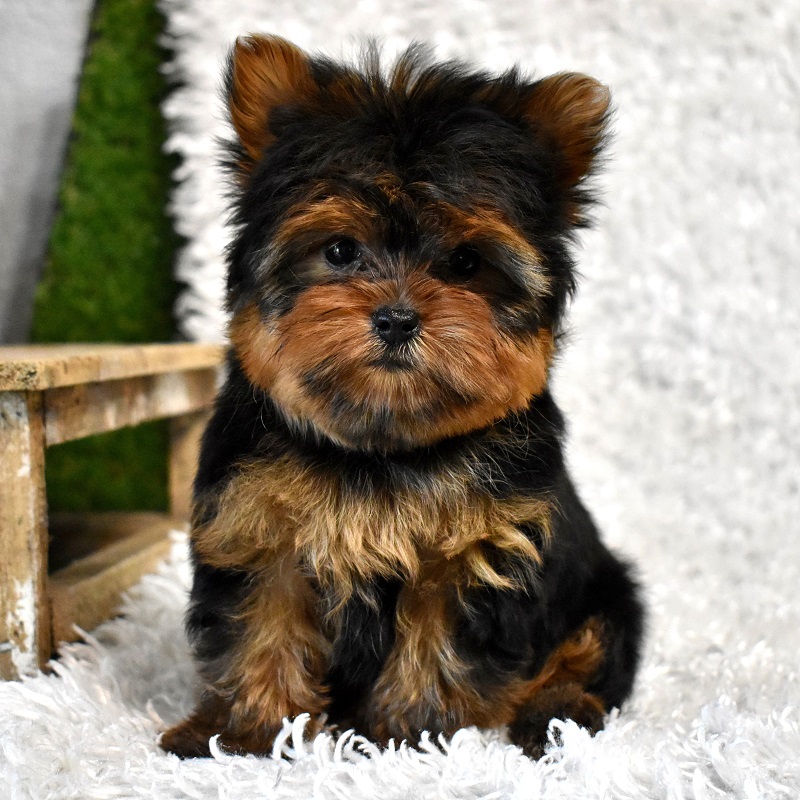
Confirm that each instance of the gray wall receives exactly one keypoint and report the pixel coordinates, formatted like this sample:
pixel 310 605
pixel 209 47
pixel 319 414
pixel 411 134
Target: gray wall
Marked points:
pixel 41 50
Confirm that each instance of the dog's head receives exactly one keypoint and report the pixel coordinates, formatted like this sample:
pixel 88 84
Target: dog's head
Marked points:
pixel 401 264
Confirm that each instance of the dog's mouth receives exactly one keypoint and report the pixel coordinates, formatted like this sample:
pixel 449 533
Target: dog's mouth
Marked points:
pixel 394 361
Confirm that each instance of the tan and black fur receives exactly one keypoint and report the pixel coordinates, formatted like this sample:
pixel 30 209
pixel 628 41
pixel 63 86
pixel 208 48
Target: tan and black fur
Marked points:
pixel 384 532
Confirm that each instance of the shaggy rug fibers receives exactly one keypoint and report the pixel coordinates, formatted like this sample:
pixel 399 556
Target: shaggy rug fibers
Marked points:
pixel 681 382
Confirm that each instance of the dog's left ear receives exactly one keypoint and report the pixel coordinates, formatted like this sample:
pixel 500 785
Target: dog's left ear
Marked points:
pixel 264 72
pixel 569 112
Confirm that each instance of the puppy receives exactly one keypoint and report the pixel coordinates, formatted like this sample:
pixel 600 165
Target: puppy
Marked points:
pixel 384 531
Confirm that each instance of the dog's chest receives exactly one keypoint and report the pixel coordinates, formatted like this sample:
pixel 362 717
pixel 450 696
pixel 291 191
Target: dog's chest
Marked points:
pixel 346 532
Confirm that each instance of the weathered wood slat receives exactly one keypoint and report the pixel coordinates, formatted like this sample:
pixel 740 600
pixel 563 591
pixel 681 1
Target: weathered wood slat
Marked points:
pixel 184 449
pixel 88 591
pixel 24 627
pixel 73 412
pixel 55 393
pixel 48 366
pixel 77 534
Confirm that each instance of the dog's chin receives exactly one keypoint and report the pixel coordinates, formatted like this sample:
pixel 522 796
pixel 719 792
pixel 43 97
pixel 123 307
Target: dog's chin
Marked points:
pixel 394 362
pixel 376 431
pixel 387 435
pixel 389 405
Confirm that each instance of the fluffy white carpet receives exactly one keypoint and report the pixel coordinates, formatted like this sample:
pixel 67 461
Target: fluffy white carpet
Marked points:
pixel 682 384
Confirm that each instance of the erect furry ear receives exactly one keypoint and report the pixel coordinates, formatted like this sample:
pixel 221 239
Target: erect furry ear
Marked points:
pixel 570 112
pixel 263 72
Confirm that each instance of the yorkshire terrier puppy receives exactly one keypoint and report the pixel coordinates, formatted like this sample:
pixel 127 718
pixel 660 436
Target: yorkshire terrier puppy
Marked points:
pixel 384 531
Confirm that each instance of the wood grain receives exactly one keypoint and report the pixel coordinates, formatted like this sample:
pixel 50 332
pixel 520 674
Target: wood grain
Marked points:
pixel 55 393
pixel 74 412
pixel 184 450
pixel 88 591
pixel 48 366
pixel 24 626
pixel 77 534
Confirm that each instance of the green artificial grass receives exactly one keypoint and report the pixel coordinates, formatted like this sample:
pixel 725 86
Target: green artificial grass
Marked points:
pixel 108 275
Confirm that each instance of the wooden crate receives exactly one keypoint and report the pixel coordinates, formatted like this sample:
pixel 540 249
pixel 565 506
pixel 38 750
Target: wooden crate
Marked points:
pixel 55 393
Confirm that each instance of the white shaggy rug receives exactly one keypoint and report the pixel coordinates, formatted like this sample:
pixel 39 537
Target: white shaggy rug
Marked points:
pixel 682 384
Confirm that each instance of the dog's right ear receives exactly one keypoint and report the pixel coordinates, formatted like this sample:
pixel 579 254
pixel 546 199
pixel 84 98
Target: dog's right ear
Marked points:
pixel 264 72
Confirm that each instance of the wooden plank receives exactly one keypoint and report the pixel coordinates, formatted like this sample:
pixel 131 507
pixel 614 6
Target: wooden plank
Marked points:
pixel 184 449
pixel 72 412
pixel 48 366
pixel 24 626
pixel 77 534
pixel 88 591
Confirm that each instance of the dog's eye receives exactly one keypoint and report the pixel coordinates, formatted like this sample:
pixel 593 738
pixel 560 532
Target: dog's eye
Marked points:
pixel 464 261
pixel 342 252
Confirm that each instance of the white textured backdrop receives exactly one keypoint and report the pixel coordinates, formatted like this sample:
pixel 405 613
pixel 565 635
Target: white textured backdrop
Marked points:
pixel 681 383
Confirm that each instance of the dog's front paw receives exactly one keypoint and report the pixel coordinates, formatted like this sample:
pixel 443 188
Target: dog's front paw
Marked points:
pixel 561 701
pixel 189 739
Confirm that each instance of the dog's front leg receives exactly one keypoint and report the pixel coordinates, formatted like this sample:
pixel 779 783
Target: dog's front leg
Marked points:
pixel 274 668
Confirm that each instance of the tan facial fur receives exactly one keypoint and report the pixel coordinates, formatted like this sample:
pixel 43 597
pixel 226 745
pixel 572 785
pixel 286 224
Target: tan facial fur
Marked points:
pixel 465 372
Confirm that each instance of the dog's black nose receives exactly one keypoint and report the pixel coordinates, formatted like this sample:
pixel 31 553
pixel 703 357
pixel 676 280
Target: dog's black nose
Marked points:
pixel 395 325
